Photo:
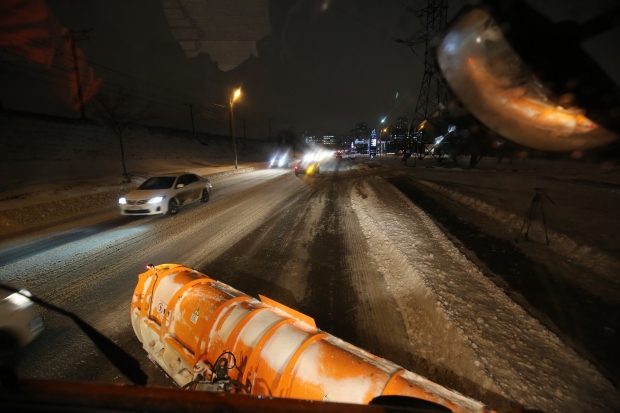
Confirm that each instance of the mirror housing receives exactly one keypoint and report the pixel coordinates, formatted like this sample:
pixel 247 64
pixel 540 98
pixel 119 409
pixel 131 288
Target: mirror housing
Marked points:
pixel 527 78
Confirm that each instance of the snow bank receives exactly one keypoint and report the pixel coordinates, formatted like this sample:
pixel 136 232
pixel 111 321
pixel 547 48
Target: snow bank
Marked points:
pixel 587 256
pixel 57 168
pixel 42 155
pixel 459 319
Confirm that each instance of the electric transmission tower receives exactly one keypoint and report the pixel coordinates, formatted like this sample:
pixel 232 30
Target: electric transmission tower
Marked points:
pixel 432 97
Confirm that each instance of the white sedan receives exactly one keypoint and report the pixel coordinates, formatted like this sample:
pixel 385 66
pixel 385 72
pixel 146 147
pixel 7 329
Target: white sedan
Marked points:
pixel 165 194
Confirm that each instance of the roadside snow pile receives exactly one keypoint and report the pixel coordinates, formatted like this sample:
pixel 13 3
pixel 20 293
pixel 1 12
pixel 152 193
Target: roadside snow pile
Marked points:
pixel 459 319
pixel 21 218
pixel 38 151
pixel 16 219
pixel 366 165
pixel 587 256
pixel 56 168
pixel 219 175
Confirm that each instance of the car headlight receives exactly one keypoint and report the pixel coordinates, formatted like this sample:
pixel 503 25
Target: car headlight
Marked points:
pixel 156 200
pixel 122 200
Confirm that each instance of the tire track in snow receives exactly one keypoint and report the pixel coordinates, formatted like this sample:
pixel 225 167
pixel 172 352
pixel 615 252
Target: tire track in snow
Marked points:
pixel 102 270
pixel 331 295
pixel 272 259
pixel 52 274
pixel 381 329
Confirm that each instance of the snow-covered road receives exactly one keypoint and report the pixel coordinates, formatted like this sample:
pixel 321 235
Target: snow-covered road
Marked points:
pixel 345 247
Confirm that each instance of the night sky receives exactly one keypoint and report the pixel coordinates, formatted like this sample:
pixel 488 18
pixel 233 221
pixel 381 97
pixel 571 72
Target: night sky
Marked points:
pixel 325 66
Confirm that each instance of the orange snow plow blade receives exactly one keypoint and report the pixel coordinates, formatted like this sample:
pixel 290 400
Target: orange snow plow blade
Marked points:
pixel 186 321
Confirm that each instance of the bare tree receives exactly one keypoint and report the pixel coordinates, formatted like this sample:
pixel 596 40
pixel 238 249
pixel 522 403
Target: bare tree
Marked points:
pixel 118 109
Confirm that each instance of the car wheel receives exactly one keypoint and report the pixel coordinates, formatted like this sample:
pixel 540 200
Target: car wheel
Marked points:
pixel 173 207
pixel 205 195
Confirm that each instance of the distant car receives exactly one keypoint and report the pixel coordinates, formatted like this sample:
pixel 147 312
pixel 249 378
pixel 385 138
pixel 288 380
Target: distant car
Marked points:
pixel 339 155
pixel 279 161
pixel 165 194
pixel 19 323
pixel 307 167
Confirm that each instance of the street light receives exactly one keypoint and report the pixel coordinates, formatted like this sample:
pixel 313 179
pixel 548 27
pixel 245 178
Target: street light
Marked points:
pixel 233 97
pixel 379 129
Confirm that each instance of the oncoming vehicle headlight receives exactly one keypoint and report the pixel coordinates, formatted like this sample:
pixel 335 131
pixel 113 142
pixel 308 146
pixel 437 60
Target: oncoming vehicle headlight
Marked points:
pixel 156 200
pixel 122 200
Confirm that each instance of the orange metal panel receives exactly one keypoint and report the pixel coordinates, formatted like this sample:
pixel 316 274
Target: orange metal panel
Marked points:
pixel 165 327
pixel 250 371
pixel 252 337
pixel 404 383
pixel 241 352
pixel 279 351
pixel 293 313
pixel 330 370
pixel 217 335
pixel 284 388
pixel 195 312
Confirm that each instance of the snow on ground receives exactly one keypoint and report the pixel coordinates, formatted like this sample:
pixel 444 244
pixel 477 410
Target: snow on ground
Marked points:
pixel 457 316
pixel 64 167
pixel 582 219
pixel 51 159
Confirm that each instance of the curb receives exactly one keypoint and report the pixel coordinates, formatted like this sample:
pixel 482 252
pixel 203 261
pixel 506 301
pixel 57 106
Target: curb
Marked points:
pixel 219 175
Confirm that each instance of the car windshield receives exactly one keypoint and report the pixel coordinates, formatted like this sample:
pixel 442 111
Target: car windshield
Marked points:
pixel 402 174
pixel 158 182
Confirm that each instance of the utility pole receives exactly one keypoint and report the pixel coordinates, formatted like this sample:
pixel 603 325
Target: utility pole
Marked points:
pixel 232 129
pixel 233 97
pixel 191 113
pixel 78 81
pixel 432 96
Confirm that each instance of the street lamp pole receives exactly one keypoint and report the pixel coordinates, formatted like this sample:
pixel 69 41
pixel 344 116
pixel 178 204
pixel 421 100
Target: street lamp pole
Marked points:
pixel 233 97
pixel 379 129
